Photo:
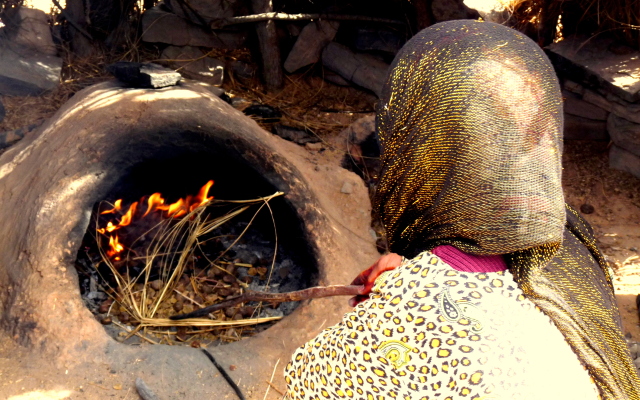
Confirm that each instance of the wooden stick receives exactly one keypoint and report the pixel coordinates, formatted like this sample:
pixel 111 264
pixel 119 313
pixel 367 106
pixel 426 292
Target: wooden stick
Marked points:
pixel 279 16
pixel 269 47
pixel 299 295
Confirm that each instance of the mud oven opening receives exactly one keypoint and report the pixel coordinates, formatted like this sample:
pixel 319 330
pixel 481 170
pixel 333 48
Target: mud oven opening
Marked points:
pixel 146 257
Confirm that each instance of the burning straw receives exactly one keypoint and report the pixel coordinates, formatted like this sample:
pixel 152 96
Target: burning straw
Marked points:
pixel 173 244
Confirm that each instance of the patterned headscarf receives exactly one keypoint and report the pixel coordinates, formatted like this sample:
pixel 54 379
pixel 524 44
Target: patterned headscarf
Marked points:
pixel 470 128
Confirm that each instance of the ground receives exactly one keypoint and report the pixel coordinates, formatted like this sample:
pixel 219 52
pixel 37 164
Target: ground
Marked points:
pixel 609 199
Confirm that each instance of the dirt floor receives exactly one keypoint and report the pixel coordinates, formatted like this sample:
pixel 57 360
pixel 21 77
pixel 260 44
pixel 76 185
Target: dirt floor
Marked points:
pixel 609 200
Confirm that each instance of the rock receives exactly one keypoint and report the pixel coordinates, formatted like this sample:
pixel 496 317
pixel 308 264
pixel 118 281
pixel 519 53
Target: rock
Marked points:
pixel 3 112
pixel 574 105
pixel 334 78
pixel 362 69
pixel 578 128
pixel 446 10
pixel 207 10
pixel 243 71
pixel 614 105
pixel 9 138
pixel 30 28
pixel 360 129
pixel 347 187
pixel 624 134
pixel 308 47
pixel 263 112
pixel 359 144
pixel 590 60
pixel 587 209
pixel 159 26
pixel 147 75
pixel 192 63
pixel 623 160
pixel 24 72
pixel 295 135
pixel 313 147
pixel 387 41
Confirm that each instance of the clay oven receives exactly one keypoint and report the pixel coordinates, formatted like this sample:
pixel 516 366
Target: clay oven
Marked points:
pixel 50 182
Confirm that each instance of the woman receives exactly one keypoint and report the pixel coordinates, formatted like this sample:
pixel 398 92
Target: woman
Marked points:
pixel 501 292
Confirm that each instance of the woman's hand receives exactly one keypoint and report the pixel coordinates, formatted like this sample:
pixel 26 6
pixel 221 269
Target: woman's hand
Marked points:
pixel 368 277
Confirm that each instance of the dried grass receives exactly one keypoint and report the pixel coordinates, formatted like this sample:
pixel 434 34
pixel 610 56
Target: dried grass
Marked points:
pixel 173 244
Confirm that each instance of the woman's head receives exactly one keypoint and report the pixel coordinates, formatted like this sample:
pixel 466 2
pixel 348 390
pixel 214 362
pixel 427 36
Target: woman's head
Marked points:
pixel 470 126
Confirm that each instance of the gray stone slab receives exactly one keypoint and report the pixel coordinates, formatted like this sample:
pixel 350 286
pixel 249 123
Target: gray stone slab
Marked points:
pixel 308 47
pixel 159 26
pixel 579 128
pixel 625 134
pixel 362 69
pixel 191 62
pixel 208 10
pixel 369 39
pixel 24 72
pixel 575 105
pixel 30 28
pixel 148 75
pixel 592 61
pixel 624 160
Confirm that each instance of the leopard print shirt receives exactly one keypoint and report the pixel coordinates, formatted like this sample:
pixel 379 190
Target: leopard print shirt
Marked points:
pixel 431 332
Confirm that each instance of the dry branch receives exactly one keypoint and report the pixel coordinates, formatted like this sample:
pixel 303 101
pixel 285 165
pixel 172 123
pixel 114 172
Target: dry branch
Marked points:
pixel 279 16
pixel 299 295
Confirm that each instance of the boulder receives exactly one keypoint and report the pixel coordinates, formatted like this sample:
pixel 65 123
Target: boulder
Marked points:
pixel 624 160
pixel 30 28
pixel 595 62
pixel 580 128
pixel 207 10
pixel 192 63
pixel 624 134
pixel 24 72
pixel 610 103
pixel 308 47
pixel 575 105
pixel 159 26
pixel 362 69
pixel 334 78
pixel 387 41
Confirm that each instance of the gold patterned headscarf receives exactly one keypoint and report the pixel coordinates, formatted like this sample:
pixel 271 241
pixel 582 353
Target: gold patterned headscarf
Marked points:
pixel 470 128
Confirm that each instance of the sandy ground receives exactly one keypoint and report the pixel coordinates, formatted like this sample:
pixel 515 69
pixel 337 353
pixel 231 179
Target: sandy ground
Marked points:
pixel 615 200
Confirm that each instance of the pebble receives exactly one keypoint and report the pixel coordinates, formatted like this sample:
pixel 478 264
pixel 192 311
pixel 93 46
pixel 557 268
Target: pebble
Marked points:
pixel 156 285
pixel 587 209
pixel 313 146
pixel 347 187
pixel 106 321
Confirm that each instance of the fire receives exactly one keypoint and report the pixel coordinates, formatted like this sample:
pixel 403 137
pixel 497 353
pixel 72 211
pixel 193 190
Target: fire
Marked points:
pixel 155 203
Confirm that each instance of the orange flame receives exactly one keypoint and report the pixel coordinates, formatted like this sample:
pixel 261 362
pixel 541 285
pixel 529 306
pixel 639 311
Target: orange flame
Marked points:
pixel 117 206
pixel 155 203
pixel 115 245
